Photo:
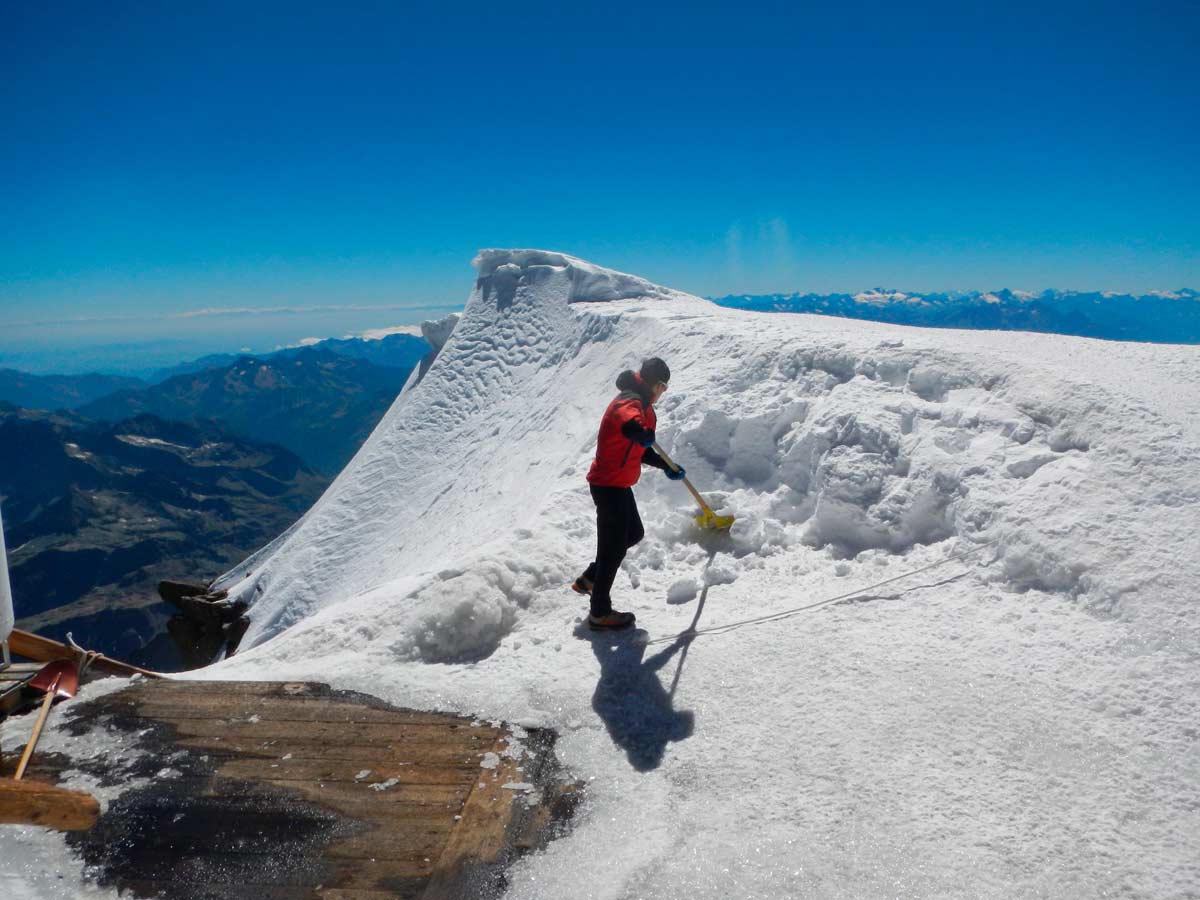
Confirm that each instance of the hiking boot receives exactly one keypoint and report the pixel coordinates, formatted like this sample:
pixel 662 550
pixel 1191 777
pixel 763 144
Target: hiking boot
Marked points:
pixel 582 585
pixel 610 621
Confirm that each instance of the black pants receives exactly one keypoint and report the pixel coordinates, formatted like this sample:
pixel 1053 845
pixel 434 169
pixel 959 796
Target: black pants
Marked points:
pixel 618 527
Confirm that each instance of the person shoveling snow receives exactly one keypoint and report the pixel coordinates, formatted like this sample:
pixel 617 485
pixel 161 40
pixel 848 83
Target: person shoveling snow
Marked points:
pixel 624 445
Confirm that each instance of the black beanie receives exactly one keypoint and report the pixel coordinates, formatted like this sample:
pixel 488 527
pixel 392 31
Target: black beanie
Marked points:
pixel 654 370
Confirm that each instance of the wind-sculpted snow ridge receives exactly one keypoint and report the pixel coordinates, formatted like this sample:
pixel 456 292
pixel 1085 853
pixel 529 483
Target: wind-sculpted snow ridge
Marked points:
pixel 1016 723
pixel 455 450
pixel 500 271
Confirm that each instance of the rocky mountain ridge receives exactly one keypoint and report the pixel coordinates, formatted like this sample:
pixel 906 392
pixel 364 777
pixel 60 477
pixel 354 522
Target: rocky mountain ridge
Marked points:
pixel 96 514
pixel 316 403
pixel 400 350
pixel 60 391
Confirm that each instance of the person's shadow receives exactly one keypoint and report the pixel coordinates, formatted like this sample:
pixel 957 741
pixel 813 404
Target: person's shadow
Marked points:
pixel 635 708
pixel 632 703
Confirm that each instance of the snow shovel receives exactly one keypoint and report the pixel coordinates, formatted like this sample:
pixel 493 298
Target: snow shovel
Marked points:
pixel 706 518
pixel 58 679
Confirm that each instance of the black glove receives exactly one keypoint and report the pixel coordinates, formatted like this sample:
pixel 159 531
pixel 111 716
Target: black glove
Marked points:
pixel 676 474
pixel 636 432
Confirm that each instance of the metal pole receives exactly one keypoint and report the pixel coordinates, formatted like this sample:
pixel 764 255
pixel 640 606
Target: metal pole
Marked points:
pixel 6 605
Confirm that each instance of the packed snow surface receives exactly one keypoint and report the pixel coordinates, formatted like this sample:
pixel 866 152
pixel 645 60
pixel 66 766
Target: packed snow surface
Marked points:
pixel 1017 718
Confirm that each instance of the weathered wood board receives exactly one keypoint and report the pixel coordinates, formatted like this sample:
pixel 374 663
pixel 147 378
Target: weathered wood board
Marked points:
pixel 266 789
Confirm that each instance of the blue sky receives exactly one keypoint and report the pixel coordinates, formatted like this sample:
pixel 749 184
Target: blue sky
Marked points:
pixel 162 160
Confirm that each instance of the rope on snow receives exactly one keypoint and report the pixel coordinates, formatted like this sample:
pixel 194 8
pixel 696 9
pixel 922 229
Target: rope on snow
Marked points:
pixel 774 617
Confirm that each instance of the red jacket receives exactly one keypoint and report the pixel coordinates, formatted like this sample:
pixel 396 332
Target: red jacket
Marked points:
pixel 628 419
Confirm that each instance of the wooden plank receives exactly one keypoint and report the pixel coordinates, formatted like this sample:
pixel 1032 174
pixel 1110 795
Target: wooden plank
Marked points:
pixel 12 682
pixel 399 747
pixel 12 698
pixel 368 734
pixel 418 846
pixel 301 709
pixel 246 822
pixel 369 809
pixel 479 840
pixel 287 690
pixel 338 792
pixel 252 688
pixel 207 707
pixel 217 824
pixel 35 803
pixel 35 647
pixel 271 730
pixel 20 671
pixel 348 770
pixel 369 755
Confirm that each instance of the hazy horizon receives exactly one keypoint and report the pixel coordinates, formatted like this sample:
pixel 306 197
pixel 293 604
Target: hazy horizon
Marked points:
pixel 132 346
pixel 137 346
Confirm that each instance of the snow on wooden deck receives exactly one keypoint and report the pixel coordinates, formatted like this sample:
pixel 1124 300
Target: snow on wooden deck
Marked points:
pixel 268 789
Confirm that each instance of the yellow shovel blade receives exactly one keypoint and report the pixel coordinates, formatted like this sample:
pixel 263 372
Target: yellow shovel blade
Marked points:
pixel 709 519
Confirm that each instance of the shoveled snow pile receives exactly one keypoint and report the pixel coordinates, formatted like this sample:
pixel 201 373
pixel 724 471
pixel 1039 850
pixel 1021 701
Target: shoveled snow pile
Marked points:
pixel 1018 718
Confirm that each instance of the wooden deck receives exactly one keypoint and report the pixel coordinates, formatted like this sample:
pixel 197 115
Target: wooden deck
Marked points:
pixel 12 680
pixel 273 790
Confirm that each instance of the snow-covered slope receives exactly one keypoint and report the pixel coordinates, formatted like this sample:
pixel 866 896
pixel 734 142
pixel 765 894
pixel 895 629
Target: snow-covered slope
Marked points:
pixel 1006 706
pixel 1021 721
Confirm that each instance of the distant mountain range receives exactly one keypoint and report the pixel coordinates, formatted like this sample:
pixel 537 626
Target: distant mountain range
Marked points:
pixel 1172 317
pixel 60 391
pixel 394 351
pixel 320 401
pixel 132 482
pixel 96 514
pixel 314 402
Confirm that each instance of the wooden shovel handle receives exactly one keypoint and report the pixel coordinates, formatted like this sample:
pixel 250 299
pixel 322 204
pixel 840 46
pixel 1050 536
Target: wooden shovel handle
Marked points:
pixel 37 730
pixel 695 493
